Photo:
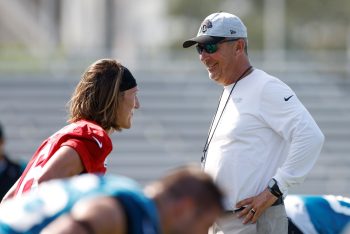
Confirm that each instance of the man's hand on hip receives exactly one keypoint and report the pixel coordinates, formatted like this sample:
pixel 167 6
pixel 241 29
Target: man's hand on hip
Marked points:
pixel 255 206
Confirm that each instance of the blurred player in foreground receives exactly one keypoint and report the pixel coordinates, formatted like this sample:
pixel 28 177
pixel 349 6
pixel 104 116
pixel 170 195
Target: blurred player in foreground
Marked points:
pixel 103 102
pixel 186 201
pixel 318 214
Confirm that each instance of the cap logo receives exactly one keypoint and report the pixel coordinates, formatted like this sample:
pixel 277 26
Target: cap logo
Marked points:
pixel 233 31
pixel 205 25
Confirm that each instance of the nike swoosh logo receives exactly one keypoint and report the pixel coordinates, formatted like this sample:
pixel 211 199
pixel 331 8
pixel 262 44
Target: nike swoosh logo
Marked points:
pixel 287 98
pixel 99 143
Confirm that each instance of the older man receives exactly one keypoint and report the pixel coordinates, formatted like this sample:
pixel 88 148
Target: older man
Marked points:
pixel 261 141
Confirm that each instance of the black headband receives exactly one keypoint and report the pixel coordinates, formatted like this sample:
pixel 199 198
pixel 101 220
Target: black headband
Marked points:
pixel 128 81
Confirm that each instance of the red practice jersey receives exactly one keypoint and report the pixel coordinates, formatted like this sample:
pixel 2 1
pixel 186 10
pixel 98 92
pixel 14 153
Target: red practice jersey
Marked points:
pixel 88 139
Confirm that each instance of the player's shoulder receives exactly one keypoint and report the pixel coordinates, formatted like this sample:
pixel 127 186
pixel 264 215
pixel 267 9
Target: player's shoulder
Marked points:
pixel 63 194
pixel 86 129
pixel 88 126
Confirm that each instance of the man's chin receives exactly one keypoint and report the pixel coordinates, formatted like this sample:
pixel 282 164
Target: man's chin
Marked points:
pixel 125 126
pixel 213 77
pixel 128 125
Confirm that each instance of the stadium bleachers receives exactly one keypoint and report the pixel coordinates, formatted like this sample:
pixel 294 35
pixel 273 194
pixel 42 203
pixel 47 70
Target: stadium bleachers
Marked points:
pixel 171 126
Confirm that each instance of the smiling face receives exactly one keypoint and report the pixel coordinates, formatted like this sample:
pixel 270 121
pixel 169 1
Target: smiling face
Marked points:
pixel 222 65
pixel 127 102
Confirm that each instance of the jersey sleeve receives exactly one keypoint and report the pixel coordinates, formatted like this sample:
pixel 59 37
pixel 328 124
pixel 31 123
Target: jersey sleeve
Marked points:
pixel 285 114
pixel 90 154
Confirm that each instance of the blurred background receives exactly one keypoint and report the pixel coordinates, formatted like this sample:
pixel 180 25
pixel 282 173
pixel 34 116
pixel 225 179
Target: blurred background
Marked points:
pixel 45 45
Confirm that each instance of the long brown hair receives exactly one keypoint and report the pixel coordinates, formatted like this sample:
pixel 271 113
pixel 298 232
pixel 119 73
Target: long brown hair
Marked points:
pixel 96 96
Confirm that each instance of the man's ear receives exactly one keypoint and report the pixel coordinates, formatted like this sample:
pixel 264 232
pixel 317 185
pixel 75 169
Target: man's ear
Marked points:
pixel 240 44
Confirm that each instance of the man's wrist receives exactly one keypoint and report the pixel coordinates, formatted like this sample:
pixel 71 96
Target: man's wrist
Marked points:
pixel 274 189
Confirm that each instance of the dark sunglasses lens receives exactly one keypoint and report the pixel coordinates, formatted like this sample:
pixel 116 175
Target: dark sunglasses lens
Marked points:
pixel 209 48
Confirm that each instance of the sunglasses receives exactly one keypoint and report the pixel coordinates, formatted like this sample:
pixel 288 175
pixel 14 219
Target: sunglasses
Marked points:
pixel 212 48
